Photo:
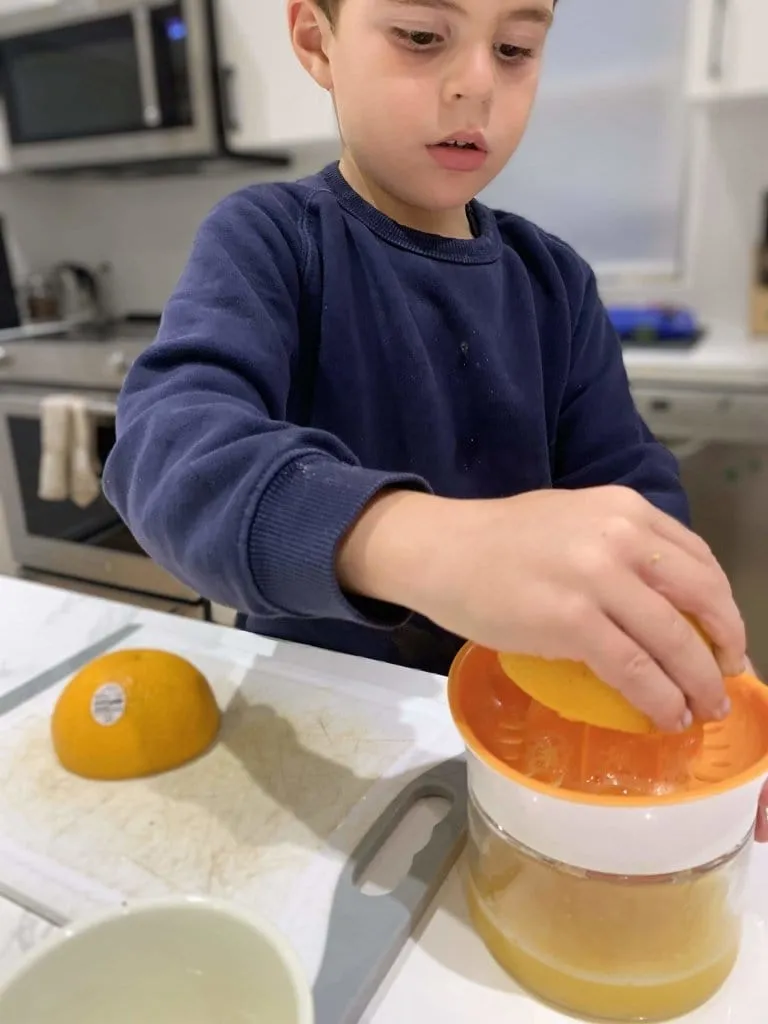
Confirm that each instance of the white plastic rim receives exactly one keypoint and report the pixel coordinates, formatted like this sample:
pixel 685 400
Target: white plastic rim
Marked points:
pixel 613 840
pixel 45 970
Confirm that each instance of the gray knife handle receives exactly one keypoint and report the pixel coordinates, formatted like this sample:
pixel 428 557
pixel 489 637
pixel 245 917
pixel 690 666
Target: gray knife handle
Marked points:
pixel 367 933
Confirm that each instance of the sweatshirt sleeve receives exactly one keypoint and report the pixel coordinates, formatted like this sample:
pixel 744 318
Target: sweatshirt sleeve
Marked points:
pixel 601 437
pixel 215 484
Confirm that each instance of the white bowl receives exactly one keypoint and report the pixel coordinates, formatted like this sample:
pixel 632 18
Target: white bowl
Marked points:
pixel 176 961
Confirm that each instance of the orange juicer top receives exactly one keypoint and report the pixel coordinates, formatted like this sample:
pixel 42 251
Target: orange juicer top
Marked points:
pixel 641 802
pixel 536 744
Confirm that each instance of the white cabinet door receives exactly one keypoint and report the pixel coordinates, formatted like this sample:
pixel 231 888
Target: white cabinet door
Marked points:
pixel 728 49
pixel 270 100
pixel 745 65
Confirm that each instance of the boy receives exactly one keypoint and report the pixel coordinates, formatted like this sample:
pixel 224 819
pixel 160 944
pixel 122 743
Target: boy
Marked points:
pixel 370 393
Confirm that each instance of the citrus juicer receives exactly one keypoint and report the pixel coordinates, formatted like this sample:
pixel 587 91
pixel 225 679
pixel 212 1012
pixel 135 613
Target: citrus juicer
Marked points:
pixel 605 864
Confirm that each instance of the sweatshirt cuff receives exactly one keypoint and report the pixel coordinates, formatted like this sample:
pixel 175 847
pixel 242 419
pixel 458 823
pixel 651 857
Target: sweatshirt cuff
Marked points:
pixel 307 509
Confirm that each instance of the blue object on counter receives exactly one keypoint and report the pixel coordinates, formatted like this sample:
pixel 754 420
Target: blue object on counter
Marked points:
pixel 667 326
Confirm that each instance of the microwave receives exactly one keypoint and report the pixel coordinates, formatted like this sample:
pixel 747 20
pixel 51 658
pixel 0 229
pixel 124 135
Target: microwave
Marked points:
pixel 93 83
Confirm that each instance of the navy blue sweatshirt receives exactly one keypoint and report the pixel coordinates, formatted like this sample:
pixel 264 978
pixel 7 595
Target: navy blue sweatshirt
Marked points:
pixel 315 352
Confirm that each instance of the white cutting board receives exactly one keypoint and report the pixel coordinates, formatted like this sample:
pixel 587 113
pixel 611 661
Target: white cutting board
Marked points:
pixel 306 761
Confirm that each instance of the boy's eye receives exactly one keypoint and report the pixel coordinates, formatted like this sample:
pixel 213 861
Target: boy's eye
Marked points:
pixel 417 39
pixel 514 54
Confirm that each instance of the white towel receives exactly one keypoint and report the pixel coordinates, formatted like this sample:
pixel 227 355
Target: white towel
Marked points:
pixel 69 466
pixel 55 435
pixel 84 467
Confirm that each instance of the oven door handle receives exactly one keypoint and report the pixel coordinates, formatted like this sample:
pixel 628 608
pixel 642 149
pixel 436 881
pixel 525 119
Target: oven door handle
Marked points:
pixel 145 53
pixel 101 409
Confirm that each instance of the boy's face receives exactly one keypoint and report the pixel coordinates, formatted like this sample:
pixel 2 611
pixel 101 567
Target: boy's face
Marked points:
pixel 408 76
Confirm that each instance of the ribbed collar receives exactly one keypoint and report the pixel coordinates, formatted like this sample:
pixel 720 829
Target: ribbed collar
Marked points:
pixel 485 248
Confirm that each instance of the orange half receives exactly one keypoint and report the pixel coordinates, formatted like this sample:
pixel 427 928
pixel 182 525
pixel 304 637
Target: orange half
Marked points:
pixel 573 690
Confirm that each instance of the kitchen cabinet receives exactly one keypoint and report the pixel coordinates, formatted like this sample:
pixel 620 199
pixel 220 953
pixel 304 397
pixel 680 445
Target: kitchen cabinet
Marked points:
pixel 269 100
pixel 728 44
pixel 11 6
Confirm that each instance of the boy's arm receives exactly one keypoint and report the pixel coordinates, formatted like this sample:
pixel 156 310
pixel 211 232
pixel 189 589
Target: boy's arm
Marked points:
pixel 601 438
pixel 215 484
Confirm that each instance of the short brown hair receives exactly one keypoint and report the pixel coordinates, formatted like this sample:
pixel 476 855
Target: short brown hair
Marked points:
pixel 329 8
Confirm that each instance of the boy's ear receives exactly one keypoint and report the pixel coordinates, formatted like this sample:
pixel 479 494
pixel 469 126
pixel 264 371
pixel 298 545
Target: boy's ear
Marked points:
pixel 310 34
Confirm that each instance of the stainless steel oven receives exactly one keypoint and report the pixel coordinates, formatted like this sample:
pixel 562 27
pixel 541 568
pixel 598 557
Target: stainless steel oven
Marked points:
pixel 100 82
pixel 90 544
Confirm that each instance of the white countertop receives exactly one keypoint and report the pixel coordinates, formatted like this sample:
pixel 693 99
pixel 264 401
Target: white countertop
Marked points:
pixel 726 356
pixel 444 973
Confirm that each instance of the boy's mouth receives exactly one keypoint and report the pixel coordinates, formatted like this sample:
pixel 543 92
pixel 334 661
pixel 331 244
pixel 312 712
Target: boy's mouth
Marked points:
pixel 466 151
pixel 465 140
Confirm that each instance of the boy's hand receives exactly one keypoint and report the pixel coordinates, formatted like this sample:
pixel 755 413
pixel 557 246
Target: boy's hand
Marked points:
pixel 596 575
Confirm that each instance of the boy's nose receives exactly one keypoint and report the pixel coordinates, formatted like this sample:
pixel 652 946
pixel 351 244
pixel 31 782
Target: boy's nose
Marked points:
pixel 472 76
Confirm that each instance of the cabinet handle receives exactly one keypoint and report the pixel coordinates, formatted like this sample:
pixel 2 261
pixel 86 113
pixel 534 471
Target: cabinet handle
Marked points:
pixel 717 39
pixel 229 118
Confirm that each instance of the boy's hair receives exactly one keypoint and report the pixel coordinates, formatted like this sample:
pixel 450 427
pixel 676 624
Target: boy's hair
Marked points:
pixel 330 8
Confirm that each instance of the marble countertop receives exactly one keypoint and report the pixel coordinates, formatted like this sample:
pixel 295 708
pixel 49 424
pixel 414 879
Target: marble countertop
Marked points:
pixel 444 972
